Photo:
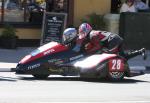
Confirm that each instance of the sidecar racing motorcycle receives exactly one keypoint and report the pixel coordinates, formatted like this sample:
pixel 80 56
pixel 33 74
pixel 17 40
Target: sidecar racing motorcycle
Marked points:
pixel 57 59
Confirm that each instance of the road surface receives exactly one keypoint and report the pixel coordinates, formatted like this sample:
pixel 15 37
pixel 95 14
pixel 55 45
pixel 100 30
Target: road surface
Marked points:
pixel 26 89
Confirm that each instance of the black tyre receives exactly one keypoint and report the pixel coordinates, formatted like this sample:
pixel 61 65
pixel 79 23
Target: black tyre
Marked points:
pixel 41 76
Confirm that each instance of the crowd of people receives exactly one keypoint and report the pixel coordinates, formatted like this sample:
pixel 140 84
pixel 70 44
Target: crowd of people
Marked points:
pixel 134 6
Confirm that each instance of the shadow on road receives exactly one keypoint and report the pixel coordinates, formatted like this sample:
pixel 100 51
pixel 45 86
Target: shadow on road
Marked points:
pixel 124 81
pixel 10 79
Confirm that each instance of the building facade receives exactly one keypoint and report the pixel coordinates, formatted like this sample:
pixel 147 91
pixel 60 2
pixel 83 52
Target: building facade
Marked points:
pixel 27 15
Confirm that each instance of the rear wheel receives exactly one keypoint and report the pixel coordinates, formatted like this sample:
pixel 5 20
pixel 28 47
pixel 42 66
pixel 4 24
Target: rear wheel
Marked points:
pixel 116 75
pixel 41 76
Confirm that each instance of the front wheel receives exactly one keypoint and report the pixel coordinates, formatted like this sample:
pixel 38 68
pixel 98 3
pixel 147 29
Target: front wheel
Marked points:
pixel 41 76
pixel 116 75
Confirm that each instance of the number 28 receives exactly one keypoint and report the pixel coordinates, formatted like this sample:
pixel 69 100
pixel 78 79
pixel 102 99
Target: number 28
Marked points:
pixel 116 64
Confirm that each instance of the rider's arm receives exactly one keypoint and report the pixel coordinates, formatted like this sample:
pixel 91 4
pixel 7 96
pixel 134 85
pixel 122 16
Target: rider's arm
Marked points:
pixel 79 43
pixel 94 45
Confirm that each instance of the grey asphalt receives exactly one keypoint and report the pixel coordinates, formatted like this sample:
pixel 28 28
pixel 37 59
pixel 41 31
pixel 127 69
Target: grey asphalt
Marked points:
pixel 26 89
pixel 10 57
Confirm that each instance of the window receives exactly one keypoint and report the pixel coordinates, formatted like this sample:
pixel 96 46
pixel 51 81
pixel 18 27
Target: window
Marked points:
pixel 115 6
pixel 13 11
pixel 29 10
pixel 57 5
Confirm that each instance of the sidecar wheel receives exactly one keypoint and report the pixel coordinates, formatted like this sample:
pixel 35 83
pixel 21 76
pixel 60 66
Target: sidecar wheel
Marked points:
pixel 116 75
pixel 41 76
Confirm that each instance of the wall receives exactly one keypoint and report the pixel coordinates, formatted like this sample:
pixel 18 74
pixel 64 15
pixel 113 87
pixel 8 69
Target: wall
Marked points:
pixel 27 33
pixel 135 29
pixel 112 22
pixel 85 7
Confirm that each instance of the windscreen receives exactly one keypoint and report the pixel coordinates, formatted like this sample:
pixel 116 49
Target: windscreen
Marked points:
pixel 44 48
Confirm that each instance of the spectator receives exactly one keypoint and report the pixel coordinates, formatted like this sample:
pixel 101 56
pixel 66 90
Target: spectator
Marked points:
pixel 140 5
pixel 42 4
pixel 128 6
pixel 59 6
pixel 50 5
pixel 115 6
pixel 33 6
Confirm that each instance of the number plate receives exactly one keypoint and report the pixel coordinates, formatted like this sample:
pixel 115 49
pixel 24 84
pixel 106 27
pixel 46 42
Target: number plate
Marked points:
pixel 116 65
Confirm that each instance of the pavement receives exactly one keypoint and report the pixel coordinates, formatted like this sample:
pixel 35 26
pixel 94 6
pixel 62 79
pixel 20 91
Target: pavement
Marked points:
pixel 10 57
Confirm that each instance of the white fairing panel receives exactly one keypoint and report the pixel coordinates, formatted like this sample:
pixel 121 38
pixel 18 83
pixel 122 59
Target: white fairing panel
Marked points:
pixel 47 46
pixel 93 60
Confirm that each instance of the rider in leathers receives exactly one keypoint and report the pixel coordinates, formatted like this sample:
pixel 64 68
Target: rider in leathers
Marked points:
pixel 95 41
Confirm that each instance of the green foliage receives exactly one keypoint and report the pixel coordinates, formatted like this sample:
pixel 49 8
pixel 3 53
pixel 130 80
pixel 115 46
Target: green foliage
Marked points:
pixel 96 21
pixel 8 32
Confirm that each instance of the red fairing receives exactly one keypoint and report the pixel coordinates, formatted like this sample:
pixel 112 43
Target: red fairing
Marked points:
pixel 25 59
pixel 44 50
pixel 94 45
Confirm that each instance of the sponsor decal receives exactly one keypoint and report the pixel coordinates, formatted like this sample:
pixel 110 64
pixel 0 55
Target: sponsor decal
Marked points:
pixel 34 66
pixel 100 67
pixel 52 60
pixel 49 51
pixel 116 65
pixel 47 46
pixel 65 71
pixel 59 62
pixel 76 57
pixel 56 70
pixel 55 61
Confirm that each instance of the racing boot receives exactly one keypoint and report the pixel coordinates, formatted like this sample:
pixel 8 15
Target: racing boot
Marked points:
pixel 143 52
pixel 135 53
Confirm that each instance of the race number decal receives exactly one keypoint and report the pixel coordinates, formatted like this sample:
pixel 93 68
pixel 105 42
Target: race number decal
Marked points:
pixel 116 65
